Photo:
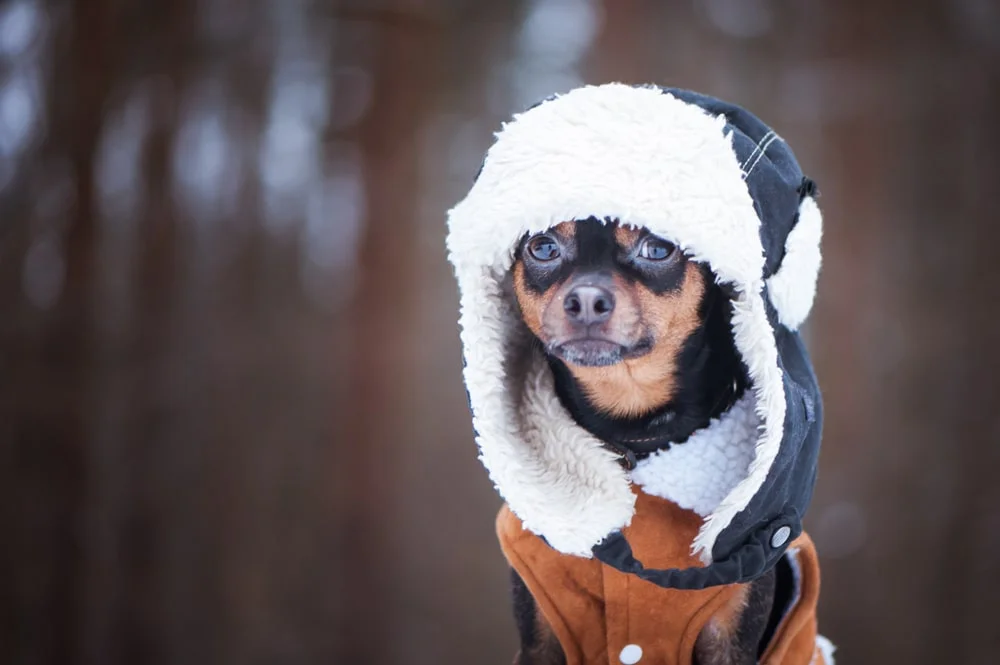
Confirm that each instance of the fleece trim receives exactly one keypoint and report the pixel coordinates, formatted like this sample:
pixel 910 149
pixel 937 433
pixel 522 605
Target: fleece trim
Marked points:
pixel 825 649
pixel 642 157
pixel 792 288
pixel 698 474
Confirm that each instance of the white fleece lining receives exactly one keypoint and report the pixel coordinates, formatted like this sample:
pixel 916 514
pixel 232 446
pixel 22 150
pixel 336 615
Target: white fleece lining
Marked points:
pixel 754 339
pixel 699 473
pixel 643 158
pixel 532 449
pixel 792 288
pixel 825 648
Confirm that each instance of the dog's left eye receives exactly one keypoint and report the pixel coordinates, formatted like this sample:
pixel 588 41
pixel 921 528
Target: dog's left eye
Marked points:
pixel 656 249
pixel 543 248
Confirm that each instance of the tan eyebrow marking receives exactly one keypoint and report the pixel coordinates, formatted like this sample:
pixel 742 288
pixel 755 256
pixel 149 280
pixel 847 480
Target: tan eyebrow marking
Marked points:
pixel 565 230
pixel 626 236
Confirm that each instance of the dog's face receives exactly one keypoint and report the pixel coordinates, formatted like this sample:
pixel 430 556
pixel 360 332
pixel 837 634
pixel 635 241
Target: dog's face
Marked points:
pixel 614 303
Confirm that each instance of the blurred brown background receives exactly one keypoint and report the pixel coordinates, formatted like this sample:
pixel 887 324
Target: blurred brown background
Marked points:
pixel 232 424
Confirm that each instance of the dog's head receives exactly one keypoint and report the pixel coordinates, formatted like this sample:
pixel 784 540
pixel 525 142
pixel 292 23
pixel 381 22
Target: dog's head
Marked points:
pixel 615 304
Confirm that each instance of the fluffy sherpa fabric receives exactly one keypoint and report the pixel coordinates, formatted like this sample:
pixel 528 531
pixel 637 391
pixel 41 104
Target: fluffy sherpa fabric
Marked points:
pixel 726 189
pixel 701 473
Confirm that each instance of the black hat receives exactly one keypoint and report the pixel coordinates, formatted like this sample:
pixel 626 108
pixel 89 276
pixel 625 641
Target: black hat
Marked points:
pixel 714 180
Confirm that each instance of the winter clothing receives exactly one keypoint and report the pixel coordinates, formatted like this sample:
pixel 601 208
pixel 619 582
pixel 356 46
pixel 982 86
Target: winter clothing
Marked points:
pixel 718 183
pixel 603 616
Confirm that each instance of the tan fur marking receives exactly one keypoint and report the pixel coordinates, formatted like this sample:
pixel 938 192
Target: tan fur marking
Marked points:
pixel 715 644
pixel 532 304
pixel 729 615
pixel 641 385
pixel 626 236
pixel 565 230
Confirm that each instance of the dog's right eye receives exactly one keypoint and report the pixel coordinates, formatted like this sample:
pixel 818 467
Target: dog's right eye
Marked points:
pixel 543 248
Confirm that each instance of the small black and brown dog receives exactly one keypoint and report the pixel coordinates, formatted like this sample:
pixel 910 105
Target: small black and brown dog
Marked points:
pixel 640 343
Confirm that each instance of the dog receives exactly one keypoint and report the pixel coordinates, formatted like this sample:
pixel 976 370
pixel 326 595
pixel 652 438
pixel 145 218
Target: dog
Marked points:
pixel 696 549
pixel 638 337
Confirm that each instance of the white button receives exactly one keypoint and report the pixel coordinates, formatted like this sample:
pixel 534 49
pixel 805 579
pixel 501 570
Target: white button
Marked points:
pixel 631 654
pixel 780 536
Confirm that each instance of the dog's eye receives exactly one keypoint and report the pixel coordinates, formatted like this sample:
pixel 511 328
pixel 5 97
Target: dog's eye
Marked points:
pixel 543 248
pixel 656 249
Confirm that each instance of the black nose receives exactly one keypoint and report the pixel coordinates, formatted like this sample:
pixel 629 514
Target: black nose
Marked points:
pixel 589 304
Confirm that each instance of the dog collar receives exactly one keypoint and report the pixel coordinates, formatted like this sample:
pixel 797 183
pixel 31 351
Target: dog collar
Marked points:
pixel 666 438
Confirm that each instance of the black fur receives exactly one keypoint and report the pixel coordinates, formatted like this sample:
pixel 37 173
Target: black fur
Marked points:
pixel 536 649
pixel 525 612
pixel 782 599
pixel 755 618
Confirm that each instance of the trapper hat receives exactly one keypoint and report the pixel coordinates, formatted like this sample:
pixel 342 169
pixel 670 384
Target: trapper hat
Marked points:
pixel 717 182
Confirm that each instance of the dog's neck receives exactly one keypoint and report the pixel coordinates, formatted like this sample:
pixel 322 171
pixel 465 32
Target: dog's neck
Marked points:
pixel 708 377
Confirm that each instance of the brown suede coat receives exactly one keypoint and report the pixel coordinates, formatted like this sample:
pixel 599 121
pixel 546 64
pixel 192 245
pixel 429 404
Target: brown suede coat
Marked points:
pixel 596 611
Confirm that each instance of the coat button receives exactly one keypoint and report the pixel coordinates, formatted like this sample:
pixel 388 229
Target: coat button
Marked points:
pixel 780 537
pixel 631 654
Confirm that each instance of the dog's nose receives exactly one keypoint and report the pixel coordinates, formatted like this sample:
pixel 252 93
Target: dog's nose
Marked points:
pixel 589 304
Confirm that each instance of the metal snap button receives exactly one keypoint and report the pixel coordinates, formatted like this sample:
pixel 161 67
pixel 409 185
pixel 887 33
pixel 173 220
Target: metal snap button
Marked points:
pixel 780 537
pixel 631 654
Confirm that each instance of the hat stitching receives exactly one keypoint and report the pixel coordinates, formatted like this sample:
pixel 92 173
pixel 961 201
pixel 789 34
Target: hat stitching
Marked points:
pixel 756 147
pixel 762 153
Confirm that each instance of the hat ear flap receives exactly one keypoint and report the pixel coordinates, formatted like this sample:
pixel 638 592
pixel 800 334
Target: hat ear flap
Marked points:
pixel 792 287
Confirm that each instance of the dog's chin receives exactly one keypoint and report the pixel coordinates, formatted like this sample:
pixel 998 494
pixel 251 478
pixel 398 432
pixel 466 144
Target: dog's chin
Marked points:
pixel 590 352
